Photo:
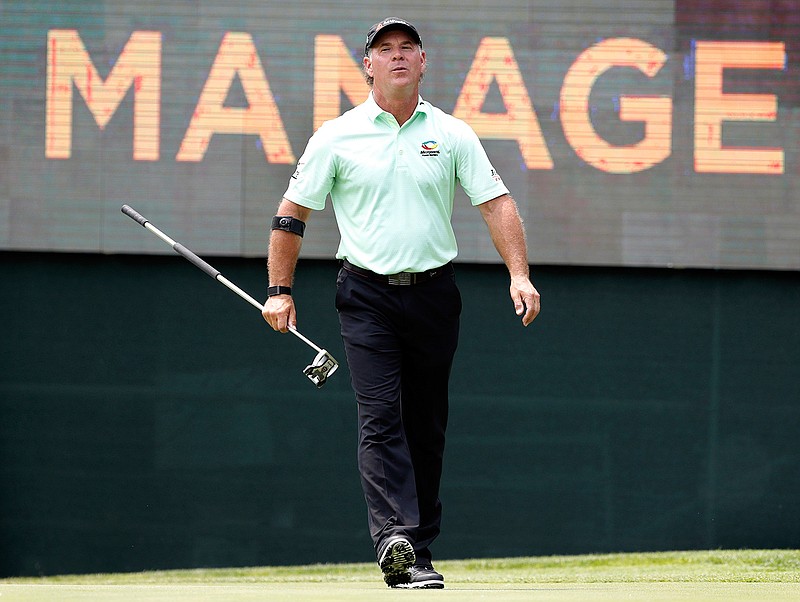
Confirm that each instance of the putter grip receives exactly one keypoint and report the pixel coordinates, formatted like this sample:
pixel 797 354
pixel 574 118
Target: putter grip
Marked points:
pixel 134 215
pixel 197 261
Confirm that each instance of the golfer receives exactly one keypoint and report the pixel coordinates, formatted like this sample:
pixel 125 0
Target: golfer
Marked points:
pixel 390 166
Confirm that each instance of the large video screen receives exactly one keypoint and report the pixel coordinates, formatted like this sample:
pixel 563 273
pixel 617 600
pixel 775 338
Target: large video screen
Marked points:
pixel 635 132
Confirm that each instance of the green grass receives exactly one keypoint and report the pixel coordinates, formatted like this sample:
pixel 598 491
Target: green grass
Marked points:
pixel 744 575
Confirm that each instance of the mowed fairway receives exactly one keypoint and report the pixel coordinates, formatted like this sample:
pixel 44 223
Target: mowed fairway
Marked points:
pixel 729 576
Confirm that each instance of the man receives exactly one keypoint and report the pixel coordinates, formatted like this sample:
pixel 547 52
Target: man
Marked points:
pixel 390 166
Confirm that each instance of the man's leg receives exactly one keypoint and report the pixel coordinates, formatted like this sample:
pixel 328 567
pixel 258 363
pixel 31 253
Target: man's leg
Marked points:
pixel 368 317
pixel 430 342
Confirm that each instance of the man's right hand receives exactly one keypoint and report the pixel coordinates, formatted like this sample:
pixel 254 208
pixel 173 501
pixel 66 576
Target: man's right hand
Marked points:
pixel 279 312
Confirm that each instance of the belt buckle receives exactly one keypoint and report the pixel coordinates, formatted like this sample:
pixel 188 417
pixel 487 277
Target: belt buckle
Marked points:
pixel 401 279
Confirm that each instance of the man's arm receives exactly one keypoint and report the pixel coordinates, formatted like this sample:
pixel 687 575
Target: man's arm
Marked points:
pixel 284 249
pixel 508 235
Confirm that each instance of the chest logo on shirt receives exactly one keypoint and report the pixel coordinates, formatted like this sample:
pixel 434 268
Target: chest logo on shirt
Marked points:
pixel 429 149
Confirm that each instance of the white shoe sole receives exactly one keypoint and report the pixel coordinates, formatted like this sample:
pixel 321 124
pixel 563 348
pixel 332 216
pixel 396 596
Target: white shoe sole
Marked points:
pixel 432 584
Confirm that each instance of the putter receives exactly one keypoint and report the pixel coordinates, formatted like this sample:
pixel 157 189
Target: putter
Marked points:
pixel 317 371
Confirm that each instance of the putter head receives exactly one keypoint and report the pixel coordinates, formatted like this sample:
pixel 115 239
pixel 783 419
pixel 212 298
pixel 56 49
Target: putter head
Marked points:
pixel 321 368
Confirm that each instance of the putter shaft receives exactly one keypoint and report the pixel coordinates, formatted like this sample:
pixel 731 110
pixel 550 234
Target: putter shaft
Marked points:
pixel 324 364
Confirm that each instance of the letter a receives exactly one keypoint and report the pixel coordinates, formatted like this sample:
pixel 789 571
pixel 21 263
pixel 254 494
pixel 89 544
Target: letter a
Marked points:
pixel 495 60
pixel 237 56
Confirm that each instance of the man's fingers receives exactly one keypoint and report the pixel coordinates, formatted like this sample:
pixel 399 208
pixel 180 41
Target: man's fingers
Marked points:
pixel 281 323
pixel 532 306
pixel 526 304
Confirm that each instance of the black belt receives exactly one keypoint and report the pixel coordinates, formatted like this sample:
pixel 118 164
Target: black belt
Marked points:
pixel 402 278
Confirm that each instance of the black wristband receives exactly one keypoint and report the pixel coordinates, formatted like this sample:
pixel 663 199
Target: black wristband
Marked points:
pixel 288 223
pixel 279 290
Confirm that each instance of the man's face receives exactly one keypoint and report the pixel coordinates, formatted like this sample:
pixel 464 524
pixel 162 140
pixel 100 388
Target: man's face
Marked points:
pixel 395 60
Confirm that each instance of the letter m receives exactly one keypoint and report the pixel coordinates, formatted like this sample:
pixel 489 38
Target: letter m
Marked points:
pixel 138 66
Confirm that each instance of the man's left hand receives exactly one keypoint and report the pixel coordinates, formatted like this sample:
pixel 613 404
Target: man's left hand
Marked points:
pixel 527 301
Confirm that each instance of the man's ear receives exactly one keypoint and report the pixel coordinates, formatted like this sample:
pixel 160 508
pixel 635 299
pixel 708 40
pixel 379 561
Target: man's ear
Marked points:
pixel 368 65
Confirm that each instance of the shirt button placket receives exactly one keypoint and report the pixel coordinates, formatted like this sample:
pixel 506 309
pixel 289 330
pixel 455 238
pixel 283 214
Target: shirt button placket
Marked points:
pixel 401 159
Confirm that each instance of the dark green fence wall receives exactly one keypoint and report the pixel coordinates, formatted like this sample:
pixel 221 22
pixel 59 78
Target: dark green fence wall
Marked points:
pixel 149 419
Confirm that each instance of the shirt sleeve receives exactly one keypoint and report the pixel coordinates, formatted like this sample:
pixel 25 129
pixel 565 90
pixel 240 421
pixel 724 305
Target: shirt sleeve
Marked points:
pixel 474 171
pixel 314 177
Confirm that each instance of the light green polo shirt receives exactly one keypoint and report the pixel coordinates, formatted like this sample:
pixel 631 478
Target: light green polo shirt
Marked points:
pixel 392 187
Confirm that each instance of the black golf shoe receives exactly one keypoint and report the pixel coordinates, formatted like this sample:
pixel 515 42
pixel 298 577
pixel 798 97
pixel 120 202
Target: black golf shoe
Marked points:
pixel 396 560
pixel 423 576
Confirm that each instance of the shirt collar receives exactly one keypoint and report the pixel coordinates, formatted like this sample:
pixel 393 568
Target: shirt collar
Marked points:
pixel 374 111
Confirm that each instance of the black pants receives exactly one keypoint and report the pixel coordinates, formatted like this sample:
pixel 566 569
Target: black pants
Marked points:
pixel 400 342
